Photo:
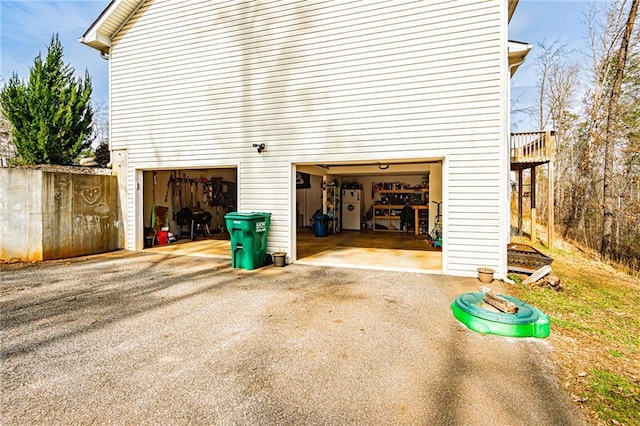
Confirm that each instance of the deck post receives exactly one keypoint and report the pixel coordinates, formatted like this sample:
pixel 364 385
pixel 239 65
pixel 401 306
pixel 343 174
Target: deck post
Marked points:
pixel 529 150
pixel 533 204
pixel 551 218
pixel 520 203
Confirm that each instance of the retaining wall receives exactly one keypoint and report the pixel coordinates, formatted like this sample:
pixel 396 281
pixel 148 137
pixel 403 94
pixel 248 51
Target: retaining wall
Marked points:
pixel 53 215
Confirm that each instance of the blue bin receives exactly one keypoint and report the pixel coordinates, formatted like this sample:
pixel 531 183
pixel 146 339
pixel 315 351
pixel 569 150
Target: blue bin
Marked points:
pixel 321 225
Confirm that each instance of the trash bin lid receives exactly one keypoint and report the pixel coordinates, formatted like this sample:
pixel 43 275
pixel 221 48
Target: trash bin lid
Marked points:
pixel 246 215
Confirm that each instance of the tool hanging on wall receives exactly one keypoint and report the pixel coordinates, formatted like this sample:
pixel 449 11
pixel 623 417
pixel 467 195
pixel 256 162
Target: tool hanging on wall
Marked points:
pixel 153 197
pixel 217 197
pixel 176 189
pixel 169 183
pixel 191 193
pixel 173 200
pixel 196 202
pixel 172 184
pixel 204 198
pixel 207 191
pixel 185 190
pixel 204 195
pixel 179 183
pixel 153 194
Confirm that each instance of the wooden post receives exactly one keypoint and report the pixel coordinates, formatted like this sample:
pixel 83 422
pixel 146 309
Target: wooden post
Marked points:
pixel 533 204
pixel 520 203
pixel 324 194
pixel 551 142
pixel 551 217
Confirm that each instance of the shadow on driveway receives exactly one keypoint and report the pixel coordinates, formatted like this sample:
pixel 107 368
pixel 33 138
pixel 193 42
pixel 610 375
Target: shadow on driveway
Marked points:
pixel 131 338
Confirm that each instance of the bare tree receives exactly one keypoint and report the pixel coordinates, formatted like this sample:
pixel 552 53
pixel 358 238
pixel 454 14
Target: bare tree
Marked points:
pixel 101 123
pixel 7 150
pixel 598 146
pixel 610 120
pixel 558 83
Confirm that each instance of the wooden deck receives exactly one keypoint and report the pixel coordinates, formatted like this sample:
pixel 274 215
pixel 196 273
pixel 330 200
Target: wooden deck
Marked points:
pixel 528 151
pixel 531 149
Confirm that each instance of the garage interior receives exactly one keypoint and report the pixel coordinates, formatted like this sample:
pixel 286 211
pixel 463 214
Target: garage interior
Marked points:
pixel 181 206
pixel 375 238
pixel 378 237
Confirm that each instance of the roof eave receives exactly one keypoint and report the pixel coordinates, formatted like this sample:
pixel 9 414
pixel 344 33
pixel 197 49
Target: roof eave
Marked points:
pixel 513 4
pixel 93 37
pixel 98 41
pixel 115 15
pixel 518 51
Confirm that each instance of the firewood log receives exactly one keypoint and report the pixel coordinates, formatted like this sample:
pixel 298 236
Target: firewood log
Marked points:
pixel 500 303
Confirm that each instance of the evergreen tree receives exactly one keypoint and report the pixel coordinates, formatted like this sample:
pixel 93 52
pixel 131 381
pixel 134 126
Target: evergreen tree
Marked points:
pixel 50 114
pixel 103 154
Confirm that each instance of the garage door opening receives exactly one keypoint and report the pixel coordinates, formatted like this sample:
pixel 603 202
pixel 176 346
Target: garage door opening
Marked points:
pixel 378 216
pixel 188 206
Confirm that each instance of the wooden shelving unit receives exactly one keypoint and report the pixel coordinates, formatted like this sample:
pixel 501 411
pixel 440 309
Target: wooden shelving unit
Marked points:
pixel 387 211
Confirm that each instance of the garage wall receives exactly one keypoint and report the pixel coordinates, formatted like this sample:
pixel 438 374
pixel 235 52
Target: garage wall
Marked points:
pixel 309 200
pixel 435 194
pixel 198 83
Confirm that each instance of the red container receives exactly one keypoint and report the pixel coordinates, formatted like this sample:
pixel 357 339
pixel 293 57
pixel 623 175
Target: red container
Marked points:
pixel 162 237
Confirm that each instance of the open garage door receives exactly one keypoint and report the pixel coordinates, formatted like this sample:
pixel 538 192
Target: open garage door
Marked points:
pixel 378 215
pixel 188 206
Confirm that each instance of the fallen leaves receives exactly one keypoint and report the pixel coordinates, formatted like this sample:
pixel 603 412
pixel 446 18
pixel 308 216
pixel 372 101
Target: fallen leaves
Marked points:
pixel 577 398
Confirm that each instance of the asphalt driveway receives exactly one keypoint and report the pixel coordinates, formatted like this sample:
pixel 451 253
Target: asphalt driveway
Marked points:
pixel 139 338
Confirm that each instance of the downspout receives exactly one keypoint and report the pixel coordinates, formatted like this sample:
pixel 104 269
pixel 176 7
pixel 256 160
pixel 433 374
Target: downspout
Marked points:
pixel 511 66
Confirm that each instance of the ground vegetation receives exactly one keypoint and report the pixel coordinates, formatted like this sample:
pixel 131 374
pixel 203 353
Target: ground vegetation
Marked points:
pixel 595 332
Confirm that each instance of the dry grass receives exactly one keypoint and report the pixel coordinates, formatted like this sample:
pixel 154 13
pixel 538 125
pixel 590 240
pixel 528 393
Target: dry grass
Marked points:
pixel 595 334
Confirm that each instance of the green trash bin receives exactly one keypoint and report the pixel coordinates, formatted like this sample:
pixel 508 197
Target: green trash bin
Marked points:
pixel 248 231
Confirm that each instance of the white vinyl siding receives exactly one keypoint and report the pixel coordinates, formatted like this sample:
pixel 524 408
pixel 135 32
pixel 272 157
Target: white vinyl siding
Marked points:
pixel 196 83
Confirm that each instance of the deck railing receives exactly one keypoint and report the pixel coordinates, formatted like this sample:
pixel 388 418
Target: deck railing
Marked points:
pixel 532 147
